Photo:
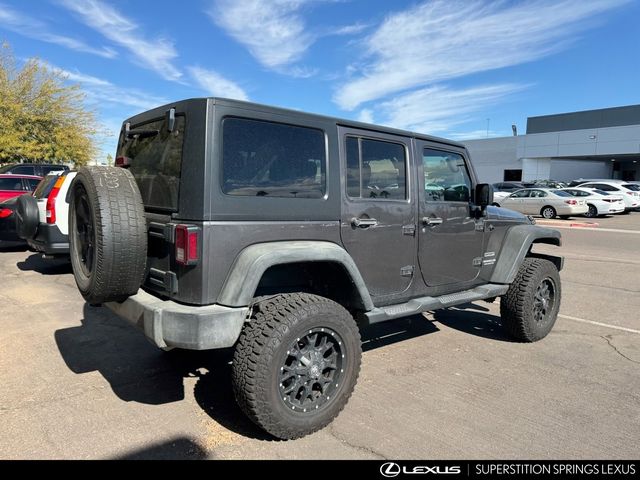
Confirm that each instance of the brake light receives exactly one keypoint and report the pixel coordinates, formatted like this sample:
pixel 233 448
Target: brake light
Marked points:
pixel 5 212
pixel 187 244
pixel 123 162
pixel 51 200
pixel 571 202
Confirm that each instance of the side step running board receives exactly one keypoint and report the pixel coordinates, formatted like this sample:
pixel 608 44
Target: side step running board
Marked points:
pixel 423 304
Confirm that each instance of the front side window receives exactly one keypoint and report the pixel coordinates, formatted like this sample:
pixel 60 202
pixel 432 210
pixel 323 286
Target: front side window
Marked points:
pixel 11 184
pixel 445 176
pixel 268 159
pixel 520 194
pixel 540 194
pixel 376 169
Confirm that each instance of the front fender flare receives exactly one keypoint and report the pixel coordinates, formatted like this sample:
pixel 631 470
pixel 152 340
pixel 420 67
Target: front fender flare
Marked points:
pixel 515 247
pixel 249 266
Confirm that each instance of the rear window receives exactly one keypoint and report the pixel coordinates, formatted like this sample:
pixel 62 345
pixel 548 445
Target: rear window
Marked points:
pixel 155 158
pixel 53 168
pixel 632 186
pixel 23 170
pixel 562 193
pixel 11 184
pixel 45 186
pixel 268 159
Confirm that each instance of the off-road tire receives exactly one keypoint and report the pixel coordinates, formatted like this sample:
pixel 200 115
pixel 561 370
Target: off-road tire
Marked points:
pixel 276 323
pixel 27 217
pixel 116 223
pixel 548 212
pixel 517 305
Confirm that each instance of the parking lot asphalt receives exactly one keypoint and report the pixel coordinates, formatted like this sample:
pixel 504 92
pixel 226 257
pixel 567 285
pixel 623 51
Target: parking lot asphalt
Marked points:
pixel 77 382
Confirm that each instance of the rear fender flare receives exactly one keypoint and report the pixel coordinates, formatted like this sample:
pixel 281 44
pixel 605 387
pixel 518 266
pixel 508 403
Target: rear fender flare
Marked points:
pixel 245 274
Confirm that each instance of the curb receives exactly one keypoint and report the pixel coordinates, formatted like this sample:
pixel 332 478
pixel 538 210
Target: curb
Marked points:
pixel 558 223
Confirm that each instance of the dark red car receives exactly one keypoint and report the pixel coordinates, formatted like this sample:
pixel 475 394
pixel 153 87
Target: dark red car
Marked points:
pixel 16 185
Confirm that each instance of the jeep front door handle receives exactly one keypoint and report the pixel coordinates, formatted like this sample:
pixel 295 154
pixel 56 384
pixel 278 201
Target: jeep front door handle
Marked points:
pixel 364 222
pixel 431 221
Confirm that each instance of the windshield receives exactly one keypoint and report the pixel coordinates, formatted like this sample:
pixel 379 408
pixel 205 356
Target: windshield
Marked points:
pixel 155 161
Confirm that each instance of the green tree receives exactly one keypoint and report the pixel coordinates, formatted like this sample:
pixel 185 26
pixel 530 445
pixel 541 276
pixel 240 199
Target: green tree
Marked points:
pixel 42 118
pixel 109 160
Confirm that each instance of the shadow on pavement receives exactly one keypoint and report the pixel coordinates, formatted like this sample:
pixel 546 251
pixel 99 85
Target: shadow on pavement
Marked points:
pixel 137 371
pixel 177 449
pixel 473 319
pixel 35 263
pixel 11 246
pixel 387 333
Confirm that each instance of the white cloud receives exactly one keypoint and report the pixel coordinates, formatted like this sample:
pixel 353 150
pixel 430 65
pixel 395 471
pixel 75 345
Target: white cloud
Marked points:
pixel 445 39
pixel 272 30
pixel 476 134
pixel 100 91
pixel 216 85
pixel 438 109
pixel 156 54
pixel 366 115
pixel 33 28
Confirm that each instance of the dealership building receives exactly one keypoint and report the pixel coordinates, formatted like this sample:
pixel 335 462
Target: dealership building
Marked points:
pixel 601 143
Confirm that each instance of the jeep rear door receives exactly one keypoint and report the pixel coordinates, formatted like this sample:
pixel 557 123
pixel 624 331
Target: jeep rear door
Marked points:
pixel 378 217
pixel 450 240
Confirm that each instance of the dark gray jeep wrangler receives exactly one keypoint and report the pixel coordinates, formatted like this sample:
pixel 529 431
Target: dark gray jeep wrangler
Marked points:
pixel 280 233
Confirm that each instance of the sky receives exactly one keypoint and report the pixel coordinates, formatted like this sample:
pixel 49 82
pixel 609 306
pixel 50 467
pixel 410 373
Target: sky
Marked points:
pixel 459 69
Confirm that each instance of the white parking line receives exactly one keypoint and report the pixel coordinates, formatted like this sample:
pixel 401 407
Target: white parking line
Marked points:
pixel 615 327
pixel 589 229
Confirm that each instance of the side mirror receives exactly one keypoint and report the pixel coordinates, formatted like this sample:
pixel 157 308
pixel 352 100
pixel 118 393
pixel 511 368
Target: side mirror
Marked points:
pixel 483 195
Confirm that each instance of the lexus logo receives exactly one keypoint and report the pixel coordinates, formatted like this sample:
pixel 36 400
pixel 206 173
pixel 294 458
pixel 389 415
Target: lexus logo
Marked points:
pixel 390 469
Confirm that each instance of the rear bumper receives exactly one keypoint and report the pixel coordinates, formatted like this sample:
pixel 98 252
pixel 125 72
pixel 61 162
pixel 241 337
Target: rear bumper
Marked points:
pixel 50 240
pixel 168 324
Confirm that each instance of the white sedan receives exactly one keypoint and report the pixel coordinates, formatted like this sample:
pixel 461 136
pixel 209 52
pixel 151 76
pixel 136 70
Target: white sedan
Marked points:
pixel 545 202
pixel 599 202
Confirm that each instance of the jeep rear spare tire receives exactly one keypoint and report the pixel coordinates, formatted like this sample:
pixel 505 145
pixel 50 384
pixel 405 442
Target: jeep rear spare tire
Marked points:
pixel 107 234
pixel 296 363
pixel 27 216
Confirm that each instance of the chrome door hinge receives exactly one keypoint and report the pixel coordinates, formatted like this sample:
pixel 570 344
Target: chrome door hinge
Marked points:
pixel 409 230
pixel 406 271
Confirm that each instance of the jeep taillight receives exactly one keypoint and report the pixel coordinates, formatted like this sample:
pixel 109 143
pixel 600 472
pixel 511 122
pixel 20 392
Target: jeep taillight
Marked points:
pixel 51 200
pixel 5 212
pixel 187 244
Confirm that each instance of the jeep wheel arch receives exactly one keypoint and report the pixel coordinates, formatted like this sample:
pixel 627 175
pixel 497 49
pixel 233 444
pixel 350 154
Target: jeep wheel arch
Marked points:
pixel 252 262
pixel 515 247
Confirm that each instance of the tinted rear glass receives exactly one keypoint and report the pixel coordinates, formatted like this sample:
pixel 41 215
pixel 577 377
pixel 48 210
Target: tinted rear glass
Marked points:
pixel 560 193
pixel 23 170
pixel 53 168
pixel 632 186
pixel 268 159
pixel 45 186
pixel 156 160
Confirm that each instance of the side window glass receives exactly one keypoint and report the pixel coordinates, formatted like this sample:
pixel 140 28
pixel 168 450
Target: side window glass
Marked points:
pixel 268 159
pixel 376 169
pixel 445 176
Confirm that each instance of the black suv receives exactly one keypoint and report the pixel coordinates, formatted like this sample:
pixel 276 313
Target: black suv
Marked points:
pixel 38 169
pixel 281 234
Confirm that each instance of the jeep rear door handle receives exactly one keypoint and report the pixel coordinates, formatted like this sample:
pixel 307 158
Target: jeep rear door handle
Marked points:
pixel 430 221
pixel 364 222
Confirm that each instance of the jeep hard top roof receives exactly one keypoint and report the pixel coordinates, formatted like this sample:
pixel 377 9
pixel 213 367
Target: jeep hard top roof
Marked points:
pixel 250 106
